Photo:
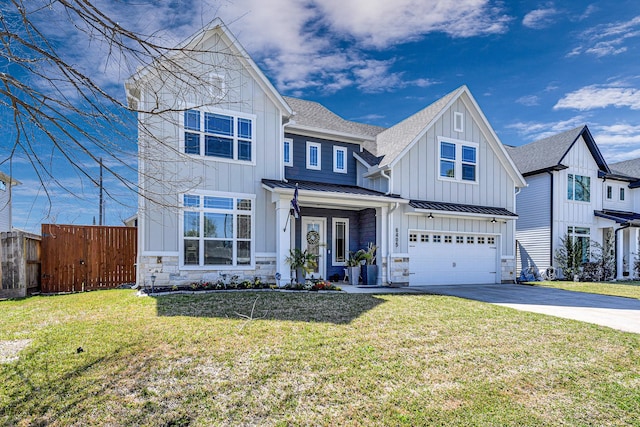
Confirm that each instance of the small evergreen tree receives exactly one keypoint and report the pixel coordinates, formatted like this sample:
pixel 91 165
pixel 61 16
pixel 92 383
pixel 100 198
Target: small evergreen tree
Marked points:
pixel 569 256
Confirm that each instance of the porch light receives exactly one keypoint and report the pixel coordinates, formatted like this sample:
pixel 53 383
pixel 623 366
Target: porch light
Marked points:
pixel 493 221
pixel 430 215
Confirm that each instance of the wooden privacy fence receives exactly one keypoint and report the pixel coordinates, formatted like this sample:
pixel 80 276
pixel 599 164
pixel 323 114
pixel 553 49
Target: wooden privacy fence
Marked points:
pixel 19 264
pixel 79 258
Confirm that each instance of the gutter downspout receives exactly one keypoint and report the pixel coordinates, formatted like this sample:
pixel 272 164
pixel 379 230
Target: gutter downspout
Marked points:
pixel 627 225
pixel 389 240
pixel 389 182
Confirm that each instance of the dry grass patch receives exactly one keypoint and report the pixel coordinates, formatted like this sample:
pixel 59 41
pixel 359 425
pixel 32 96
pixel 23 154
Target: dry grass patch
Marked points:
pixel 310 359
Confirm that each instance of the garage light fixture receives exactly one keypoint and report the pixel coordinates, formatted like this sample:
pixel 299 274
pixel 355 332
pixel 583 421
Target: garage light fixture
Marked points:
pixel 430 215
pixel 493 221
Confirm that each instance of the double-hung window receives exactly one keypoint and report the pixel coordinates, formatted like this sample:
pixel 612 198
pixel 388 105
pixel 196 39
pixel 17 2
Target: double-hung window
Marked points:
pixel 579 188
pixel 340 159
pixel 217 230
pixel 221 135
pixel 458 160
pixel 287 151
pixel 314 156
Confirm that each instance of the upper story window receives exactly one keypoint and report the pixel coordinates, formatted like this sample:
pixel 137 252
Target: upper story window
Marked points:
pixel 579 188
pixel 340 159
pixel 314 160
pixel 217 230
pixel 288 152
pixel 621 194
pixel 226 136
pixel 458 161
pixel 609 192
pixel 458 122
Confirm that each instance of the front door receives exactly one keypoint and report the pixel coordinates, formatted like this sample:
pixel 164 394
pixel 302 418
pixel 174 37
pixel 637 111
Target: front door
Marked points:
pixel 314 240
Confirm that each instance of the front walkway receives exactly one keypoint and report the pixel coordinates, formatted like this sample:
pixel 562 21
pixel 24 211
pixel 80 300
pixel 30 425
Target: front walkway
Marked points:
pixel 615 312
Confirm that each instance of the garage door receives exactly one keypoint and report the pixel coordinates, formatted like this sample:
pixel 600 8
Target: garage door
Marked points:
pixel 446 258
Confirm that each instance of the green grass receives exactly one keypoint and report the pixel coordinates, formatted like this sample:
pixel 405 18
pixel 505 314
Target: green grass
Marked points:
pixel 620 289
pixel 308 359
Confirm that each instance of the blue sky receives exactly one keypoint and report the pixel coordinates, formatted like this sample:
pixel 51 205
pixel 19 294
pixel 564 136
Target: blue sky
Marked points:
pixel 535 68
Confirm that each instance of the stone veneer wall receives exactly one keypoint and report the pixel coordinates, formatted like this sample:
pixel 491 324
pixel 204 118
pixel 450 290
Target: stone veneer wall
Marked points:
pixel 399 271
pixel 508 270
pixel 168 273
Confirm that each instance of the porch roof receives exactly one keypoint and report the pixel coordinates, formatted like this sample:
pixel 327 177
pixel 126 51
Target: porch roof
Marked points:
pixel 624 218
pixel 460 208
pixel 330 189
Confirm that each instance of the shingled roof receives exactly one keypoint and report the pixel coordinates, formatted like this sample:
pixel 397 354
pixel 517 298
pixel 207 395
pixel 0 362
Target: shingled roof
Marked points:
pixel 392 142
pixel 310 114
pixel 547 154
pixel 630 168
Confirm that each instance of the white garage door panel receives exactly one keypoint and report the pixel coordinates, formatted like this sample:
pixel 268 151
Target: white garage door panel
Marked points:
pixel 452 263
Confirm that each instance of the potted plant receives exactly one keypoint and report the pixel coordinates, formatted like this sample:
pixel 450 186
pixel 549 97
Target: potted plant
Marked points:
pixel 370 269
pixel 303 262
pixel 353 265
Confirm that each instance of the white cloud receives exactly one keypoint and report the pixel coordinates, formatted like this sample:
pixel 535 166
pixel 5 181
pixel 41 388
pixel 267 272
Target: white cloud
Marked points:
pixel 540 18
pixel 529 100
pixel 608 39
pixel 595 96
pixel 533 131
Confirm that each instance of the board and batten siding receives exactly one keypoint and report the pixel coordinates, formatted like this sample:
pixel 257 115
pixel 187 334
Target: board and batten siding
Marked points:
pixel 416 176
pixel 326 174
pixel 615 203
pixel 533 227
pixel 579 161
pixel 167 171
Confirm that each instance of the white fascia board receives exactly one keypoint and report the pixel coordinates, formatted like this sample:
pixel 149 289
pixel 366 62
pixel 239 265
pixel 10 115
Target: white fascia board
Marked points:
pixel 293 127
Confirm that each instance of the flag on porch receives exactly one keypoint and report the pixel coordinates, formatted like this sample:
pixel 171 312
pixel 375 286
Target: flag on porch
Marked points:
pixel 294 204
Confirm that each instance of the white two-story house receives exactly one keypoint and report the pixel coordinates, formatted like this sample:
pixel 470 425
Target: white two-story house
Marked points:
pixel 572 192
pixel 223 153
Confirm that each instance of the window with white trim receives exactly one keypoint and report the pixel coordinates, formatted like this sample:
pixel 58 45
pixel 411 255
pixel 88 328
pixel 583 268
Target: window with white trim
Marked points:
pixel 288 152
pixel 458 160
pixel 217 230
pixel 340 241
pixel 314 159
pixel 581 236
pixel 458 122
pixel 339 159
pixel 221 135
pixel 621 194
pixel 579 188
pixel 609 192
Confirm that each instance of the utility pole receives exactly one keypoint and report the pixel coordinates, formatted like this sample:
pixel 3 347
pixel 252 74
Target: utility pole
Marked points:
pixel 101 198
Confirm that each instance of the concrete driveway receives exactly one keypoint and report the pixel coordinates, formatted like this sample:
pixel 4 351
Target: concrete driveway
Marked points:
pixel 615 312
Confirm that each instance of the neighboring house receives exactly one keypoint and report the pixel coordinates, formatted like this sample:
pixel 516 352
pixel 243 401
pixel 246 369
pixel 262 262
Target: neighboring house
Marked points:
pixel 572 192
pixel 6 182
pixel 435 193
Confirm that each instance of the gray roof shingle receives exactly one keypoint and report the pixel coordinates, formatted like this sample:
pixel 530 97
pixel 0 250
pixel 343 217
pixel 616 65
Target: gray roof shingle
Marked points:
pixel 630 168
pixel 548 153
pixel 315 115
pixel 392 142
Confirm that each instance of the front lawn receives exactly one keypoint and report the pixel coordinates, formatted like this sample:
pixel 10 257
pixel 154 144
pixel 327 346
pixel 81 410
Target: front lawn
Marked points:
pixel 620 289
pixel 269 358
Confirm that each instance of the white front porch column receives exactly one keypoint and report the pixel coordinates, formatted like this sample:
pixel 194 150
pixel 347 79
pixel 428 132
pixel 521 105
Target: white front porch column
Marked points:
pixel 633 250
pixel 620 254
pixel 382 239
pixel 283 240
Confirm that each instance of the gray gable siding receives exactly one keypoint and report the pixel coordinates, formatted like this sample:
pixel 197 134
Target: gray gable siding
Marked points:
pixel 326 174
pixel 533 227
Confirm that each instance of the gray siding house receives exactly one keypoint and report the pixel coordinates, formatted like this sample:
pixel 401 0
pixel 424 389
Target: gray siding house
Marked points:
pixel 219 167
pixel 573 192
